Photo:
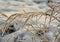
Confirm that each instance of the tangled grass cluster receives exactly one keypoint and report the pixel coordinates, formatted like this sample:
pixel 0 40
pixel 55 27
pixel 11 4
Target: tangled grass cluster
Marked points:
pixel 42 22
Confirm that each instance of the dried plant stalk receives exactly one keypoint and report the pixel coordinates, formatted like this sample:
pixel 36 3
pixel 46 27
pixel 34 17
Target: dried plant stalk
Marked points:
pixel 2 14
pixel 33 38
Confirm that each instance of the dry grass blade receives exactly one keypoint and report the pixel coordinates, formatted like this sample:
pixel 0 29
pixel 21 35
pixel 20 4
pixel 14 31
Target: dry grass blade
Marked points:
pixel 53 17
pixel 2 14
pixel 11 18
pixel 44 29
pixel 33 38
pixel 36 20
pixel 53 5
pixel 26 20
pixel 32 27
pixel 45 19
pixel 40 16
pixel 50 20
pixel 14 16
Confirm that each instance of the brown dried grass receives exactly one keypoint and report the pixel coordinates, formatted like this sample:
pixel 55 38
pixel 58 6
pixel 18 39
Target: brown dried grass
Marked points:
pixel 29 16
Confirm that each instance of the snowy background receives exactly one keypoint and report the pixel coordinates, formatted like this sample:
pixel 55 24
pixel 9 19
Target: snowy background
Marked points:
pixel 28 5
pixel 14 6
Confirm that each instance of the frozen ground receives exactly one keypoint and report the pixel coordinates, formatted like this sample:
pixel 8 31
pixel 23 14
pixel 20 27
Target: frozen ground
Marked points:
pixel 17 6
